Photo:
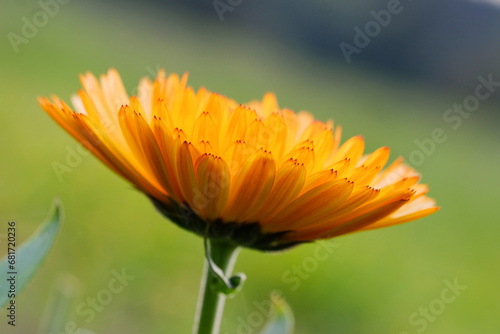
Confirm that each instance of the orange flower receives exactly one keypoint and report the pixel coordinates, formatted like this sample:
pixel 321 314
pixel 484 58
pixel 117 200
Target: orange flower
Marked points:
pixel 255 175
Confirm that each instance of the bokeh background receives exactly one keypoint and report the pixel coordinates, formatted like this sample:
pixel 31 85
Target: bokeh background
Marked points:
pixel 394 92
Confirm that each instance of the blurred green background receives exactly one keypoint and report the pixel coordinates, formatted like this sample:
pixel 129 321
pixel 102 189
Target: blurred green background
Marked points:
pixel 374 282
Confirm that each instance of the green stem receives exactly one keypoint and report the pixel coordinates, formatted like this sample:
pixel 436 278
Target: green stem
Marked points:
pixel 211 301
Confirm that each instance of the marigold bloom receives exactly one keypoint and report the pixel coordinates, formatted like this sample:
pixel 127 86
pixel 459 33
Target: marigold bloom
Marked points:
pixel 256 175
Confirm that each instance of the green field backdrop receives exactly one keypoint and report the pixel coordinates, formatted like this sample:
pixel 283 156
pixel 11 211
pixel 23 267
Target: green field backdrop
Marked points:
pixel 373 282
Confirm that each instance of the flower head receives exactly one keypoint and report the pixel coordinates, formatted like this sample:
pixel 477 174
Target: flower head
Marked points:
pixel 254 174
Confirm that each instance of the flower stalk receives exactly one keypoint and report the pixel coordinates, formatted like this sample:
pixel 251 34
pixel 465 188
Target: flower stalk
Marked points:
pixel 212 297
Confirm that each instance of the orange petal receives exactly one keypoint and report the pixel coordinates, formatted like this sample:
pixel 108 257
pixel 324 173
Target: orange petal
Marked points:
pixel 185 174
pixel 303 153
pixel 416 209
pixel 204 129
pixel 361 221
pixel 311 204
pixel 213 183
pixel 250 186
pixel 351 149
pixel 287 186
pixel 275 134
pixel 236 155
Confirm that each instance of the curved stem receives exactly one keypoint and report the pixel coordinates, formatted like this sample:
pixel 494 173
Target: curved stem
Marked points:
pixel 211 301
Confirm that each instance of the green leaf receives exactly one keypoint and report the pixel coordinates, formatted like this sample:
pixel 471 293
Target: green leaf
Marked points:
pixel 282 321
pixel 227 286
pixel 30 254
